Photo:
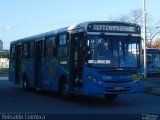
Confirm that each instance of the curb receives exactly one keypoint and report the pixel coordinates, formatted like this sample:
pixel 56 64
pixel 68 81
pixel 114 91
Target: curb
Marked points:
pixel 152 90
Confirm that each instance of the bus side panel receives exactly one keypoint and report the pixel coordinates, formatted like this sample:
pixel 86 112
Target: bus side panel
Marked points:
pixel 49 73
pixel 12 71
pixel 28 70
pixel 45 82
pixel 52 72
pixel 31 73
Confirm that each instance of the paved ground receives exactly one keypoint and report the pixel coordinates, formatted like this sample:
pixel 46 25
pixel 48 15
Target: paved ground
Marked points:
pixel 152 85
pixel 128 106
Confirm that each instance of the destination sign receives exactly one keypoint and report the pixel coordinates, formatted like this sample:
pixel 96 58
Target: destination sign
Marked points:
pixel 122 28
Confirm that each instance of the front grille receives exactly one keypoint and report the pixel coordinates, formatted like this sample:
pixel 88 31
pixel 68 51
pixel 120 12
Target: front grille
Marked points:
pixel 118 81
pixel 112 89
pixel 117 90
pixel 118 72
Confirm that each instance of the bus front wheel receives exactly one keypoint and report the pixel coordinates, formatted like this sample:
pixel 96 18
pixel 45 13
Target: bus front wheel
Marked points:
pixel 111 97
pixel 64 91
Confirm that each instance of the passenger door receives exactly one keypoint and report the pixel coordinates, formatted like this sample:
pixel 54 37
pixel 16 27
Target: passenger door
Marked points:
pixel 76 60
pixel 17 63
pixel 38 63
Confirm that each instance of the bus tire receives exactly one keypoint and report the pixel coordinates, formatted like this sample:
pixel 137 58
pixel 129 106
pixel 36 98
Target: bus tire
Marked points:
pixel 111 97
pixel 25 83
pixel 64 90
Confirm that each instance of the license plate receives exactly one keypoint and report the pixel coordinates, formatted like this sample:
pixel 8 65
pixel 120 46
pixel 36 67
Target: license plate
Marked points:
pixel 119 88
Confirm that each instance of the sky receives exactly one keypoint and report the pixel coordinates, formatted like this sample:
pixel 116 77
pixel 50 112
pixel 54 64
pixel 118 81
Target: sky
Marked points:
pixel 23 18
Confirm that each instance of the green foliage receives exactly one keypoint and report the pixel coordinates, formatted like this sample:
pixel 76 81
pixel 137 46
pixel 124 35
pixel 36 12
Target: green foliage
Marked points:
pixel 3 70
pixel 4 55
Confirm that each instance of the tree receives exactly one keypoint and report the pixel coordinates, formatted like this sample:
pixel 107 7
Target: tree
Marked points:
pixel 4 55
pixel 152 32
pixel 136 17
pixel 156 43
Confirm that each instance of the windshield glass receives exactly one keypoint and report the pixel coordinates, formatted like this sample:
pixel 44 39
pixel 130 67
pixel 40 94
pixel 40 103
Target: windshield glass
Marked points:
pixel 113 51
pixel 153 60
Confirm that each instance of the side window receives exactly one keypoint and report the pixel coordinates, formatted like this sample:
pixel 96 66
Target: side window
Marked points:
pixel 62 49
pixel 31 49
pixel 28 50
pixel 25 52
pixel 12 52
pixel 63 40
pixel 50 47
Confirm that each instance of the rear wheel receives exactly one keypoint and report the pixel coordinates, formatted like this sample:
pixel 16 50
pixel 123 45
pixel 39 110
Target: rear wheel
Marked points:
pixel 111 97
pixel 25 83
pixel 65 91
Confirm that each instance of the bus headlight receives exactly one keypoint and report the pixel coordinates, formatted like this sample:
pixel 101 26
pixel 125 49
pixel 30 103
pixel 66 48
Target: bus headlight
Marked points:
pixel 94 80
pixel 88 76
pixel 135 77
pixel 99 82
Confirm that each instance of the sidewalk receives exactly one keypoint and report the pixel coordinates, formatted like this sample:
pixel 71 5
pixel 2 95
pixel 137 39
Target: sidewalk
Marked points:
pixel 3 76
pixel 152 85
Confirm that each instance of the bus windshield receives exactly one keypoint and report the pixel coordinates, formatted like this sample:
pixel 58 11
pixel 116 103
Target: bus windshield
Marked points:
pixel 113 51
pixel 153 60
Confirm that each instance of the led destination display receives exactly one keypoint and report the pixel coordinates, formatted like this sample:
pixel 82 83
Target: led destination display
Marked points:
pixel 121 28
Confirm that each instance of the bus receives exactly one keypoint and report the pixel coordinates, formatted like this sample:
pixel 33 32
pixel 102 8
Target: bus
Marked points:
pixel 153 62
pixel 89 58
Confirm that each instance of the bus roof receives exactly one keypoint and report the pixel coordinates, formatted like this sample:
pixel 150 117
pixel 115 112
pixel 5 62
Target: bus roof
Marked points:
pixel 72 27
pixel 153 50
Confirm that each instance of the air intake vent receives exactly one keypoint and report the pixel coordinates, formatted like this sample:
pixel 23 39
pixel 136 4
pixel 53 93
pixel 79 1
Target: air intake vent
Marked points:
pixel 118 72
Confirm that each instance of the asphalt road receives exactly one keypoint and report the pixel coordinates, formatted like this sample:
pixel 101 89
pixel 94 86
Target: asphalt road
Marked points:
pixel 14 100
